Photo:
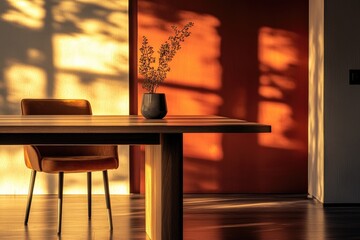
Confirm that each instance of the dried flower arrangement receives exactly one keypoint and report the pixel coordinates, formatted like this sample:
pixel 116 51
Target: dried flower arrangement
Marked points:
pixel 153 77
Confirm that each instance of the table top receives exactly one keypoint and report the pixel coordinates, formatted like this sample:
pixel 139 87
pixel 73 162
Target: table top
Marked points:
pixel 126 124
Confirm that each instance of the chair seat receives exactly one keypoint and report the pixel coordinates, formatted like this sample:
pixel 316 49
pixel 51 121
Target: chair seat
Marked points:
pixel 78 164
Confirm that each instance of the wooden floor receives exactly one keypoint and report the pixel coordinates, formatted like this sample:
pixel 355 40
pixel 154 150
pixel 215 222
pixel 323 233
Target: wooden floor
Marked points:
pixel 206 217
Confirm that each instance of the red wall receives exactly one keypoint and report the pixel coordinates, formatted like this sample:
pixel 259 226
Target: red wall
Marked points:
pixel 247 60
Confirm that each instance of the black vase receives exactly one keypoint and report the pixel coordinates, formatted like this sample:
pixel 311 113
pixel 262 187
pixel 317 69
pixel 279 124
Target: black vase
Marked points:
pixel 154 105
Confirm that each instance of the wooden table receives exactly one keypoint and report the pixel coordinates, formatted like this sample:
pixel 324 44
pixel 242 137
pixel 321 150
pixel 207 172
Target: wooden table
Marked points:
pixel 163 151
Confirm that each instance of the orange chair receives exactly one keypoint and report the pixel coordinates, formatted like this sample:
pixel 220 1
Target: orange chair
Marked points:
pixel 67 159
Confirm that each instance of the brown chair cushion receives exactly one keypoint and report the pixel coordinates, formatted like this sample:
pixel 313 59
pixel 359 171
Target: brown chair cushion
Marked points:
pixel 78 164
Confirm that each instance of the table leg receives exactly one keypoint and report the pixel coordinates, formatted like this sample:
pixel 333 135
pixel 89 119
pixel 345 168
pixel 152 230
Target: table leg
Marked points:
pixel 164 188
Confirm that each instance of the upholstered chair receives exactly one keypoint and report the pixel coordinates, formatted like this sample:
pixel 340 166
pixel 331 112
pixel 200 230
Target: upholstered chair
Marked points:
pixel 67 159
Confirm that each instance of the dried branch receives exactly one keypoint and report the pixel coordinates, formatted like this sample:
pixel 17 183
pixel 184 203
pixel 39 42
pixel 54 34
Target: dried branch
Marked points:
pixel 153 77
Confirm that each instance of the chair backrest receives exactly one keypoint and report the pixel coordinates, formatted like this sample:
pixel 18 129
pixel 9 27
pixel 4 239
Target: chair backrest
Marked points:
pixel 55 107
pixel 65 107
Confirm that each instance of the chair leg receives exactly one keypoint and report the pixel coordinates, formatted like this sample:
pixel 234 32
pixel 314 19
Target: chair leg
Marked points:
pixel 30 194
pixel 60 200
pixel 89 194
pixel 107 197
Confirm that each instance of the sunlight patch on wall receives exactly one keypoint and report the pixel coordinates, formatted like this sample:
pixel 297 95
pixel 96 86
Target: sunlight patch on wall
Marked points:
pixel 86 53
pixel 192 102
pixel 280 116
pixel 12 171
pixel 278 58
pixel 316 127
pixel 197 63
pixel 98 90
pixel 24 81
pixel 29 14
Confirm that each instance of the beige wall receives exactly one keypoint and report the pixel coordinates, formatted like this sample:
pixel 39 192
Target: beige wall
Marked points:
pixel 63 49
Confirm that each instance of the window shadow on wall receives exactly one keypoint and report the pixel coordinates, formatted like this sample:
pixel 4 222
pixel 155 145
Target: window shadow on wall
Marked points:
pixel 44 39
pixel 243 60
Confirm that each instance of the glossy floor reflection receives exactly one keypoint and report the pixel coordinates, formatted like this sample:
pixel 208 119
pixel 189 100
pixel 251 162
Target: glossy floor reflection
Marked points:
pixel 206 217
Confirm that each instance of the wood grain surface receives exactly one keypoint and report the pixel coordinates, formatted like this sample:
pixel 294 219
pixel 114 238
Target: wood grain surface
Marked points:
pixel 126 124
